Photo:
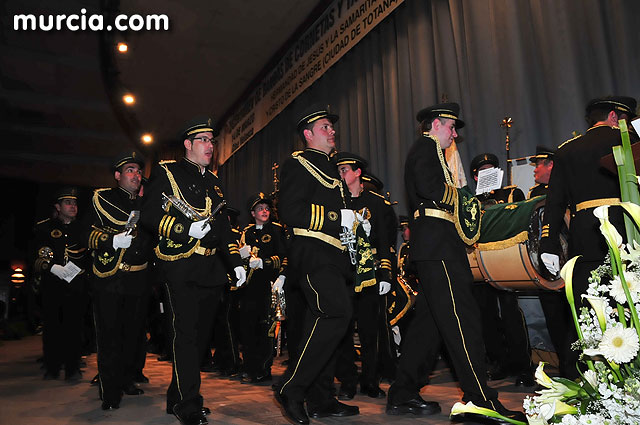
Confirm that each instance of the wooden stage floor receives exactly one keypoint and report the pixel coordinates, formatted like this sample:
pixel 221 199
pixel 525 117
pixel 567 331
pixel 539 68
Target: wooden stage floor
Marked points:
pixel 25 399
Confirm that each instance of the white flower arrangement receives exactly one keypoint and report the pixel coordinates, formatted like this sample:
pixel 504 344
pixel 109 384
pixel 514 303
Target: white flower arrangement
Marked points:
pixel 609 338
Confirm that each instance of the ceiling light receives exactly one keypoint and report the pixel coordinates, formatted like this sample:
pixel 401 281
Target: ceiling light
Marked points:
pixel 123 47
pixel 147 138
pixel 129 99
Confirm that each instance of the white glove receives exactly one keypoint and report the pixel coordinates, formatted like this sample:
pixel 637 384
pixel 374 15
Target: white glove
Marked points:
pixel 245 251
pixel 384 287
pixel 366 226
pixel 255 263
pixel 551 262
pixel 197 231
pixel 57 270
pixel 122 240
pixel 278 284
pixel 241 275
pixel 347 217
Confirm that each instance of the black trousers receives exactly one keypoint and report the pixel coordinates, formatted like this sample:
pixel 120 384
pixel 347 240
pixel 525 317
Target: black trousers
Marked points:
pixel 446 308
pixel 225 332
pixel 257 345
pixel 63 307
pixel 193 309
pixel 328 315
pixel 119 320
pixel 367 316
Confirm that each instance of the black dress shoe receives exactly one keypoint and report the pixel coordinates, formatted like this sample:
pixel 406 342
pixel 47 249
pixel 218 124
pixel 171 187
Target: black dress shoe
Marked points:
pixel 95 380
pixel 293 410
pixel 525 379
pixel 206 411
pixel 48 376
pixel 335 409
pixel 347 392
pixel 493 405
pixel 110 406
pixel 417 405
pixel 190 418
pixel 131 389
pixel 139 378
pixel 372 391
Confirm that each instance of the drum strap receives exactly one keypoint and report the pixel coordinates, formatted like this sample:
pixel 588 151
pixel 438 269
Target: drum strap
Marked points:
pixel 431 212
pixel 597 203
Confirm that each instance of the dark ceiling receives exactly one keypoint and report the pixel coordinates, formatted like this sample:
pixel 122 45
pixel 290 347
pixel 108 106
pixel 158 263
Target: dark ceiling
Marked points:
pixel 61 116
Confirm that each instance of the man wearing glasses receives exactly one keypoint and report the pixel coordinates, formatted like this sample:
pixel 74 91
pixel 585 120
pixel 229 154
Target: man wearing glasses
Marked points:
pixel 184 206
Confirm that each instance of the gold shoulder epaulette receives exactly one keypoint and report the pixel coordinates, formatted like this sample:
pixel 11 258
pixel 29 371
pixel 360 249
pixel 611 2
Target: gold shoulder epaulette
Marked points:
pixel 249 226
pixel 510 187
pixel 570 140
pixel 101 189
pixel 166 161
pixel 43 221
pixel 377 194
pixel 296 153
pixel 276 224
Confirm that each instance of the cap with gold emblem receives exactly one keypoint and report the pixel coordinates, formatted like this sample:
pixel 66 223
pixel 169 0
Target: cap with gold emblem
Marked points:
pixel 200 125
pixel 130 157
pixel 314 113
pixel 620 104
pixel 259 198
pixel 441 110
pixel 542 153
pixel 373 180
pixel 67 193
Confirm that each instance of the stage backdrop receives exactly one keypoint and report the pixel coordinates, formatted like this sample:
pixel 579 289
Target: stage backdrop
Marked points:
pixel 537 61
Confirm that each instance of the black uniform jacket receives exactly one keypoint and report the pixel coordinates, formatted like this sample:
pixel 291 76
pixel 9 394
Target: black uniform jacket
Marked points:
pixel 267 243
pixel 311 197
pixel 381 246
pixel 189 257
pixel 108 217
pixel 58 243
pixel 578 177
pixel 429 185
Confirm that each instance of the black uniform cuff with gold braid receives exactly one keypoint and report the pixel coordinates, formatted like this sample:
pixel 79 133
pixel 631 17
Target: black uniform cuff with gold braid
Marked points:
pixel 174 228
pixel 545 231
pixel 448 197
pixel 317 217
pixel 233 249
pixel 99 239
pixel 273 262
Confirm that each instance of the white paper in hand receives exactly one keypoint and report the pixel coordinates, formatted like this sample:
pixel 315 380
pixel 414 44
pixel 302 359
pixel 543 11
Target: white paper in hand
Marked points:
pixel 70 271
pixel 489 179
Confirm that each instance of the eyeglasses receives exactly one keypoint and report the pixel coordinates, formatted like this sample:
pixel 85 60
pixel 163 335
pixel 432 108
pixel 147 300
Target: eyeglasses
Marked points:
pixel 206 140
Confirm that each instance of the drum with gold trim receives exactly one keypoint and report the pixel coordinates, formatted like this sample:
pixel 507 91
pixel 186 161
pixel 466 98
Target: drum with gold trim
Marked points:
pixel 514 264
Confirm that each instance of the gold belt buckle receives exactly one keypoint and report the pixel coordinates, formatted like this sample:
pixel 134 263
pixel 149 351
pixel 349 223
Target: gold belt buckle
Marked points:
pixel 125 267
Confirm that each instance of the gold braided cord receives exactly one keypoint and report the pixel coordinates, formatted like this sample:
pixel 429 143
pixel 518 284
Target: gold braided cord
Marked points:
pixel 325 180
pixel 443 163
pixel 101 210
pixel 178 193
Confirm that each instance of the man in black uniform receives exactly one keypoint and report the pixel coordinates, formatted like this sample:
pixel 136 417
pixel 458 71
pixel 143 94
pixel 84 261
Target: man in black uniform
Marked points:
pixel 313 204
pixel 60 249
pixel 445 305
pixel 181 205
pixel 368 303
pixel 543 162
pixel 119 282
pixel 266 242
pixel 578 182
pixel 503 324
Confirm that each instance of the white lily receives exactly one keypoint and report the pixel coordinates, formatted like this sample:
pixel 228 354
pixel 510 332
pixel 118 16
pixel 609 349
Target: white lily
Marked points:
pixel 614 239
pixel 537 420
pixel 633 210
pixel 599 305
pixel 462 408
pixel 541 377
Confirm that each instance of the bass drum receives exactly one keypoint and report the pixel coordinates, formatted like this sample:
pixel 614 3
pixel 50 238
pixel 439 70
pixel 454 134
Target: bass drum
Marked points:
pixel 519 267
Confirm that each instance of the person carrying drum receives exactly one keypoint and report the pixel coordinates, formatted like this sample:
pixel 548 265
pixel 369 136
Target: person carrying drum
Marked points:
pixel 503 322
pixel 445 305
pixel 578 182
